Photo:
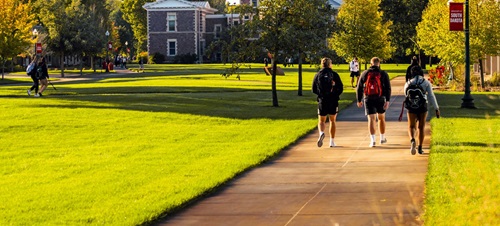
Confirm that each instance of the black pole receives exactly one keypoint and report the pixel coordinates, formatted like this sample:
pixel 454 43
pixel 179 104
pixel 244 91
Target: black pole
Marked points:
pixel 467 100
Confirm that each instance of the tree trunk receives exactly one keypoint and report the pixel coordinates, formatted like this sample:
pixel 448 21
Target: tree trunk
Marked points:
pixel 300 74
pixel 92 63
pixel 275 94
pixel 481 72
pixel 3 69
pixel 62 64
pixel 430 61
pixel 81 66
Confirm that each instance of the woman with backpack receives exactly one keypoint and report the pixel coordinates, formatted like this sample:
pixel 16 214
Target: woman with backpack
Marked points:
pixel 418 92
pixel 43 75
pixel 328 86
pixel 31 71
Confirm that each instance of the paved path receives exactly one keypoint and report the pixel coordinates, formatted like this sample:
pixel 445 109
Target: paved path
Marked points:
pixel 351 184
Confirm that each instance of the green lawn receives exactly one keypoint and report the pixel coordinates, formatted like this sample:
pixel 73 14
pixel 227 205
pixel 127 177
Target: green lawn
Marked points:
pixel 463 182
pixel 127 149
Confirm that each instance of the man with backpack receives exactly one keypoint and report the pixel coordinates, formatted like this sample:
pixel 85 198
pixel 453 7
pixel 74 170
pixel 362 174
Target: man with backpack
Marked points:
pixel 374 92
pixel 354 69
pixel 418 91
pixel 31 70
pixel 328 86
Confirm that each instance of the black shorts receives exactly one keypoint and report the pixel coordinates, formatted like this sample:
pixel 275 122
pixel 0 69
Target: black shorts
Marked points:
pixel 354 74
pixel 375 105
pixel 328 107
pixel 418 111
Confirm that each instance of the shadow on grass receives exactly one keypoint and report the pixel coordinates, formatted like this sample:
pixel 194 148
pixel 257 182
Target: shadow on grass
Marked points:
pixel 208 101
pixel 487 105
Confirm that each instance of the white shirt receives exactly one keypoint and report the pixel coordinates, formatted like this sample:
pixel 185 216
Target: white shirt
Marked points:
pixel 354 66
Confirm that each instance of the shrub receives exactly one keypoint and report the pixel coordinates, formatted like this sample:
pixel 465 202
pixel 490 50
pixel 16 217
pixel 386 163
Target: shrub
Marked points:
pixel 495 79
pixel 143 56
pixel 189 58
pixel 157 58
pixel 438 76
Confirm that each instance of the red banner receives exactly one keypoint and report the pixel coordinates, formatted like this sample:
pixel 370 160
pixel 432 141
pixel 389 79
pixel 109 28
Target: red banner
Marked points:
pixel 456 16
pixel 38 47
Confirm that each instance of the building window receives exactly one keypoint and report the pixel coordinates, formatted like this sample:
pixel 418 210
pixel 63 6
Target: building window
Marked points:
pixel 255 3
pixel 172 47
pixel 171 22
pixel 217 30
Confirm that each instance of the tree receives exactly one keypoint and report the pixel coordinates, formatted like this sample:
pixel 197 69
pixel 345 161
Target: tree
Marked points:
pixel 275 33
pixel 311 24
pixel 435 37
pixel 361 32
pixel 405 16
pixel 136 16
pixel 15 29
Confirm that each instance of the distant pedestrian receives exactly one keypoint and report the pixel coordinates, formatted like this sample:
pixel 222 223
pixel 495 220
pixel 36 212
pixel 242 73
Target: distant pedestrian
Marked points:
pixel 414 62
pixel 290 61
pixel 374 92
pixel 141 65
pixel 354 69
pixel 43 75
pixel 418 92
pixel 328 86
pixel 34 76
pixel 266 62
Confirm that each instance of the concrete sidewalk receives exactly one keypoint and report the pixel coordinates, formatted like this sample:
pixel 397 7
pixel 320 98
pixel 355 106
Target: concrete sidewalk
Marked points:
pixel 350 184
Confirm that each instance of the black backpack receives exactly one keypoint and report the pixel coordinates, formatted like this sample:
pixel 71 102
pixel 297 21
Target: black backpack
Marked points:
pixel 325 83
pixel 415 96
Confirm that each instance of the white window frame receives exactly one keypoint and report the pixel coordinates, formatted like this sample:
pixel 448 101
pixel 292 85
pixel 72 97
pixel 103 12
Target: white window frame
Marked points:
pixel 168 47
pixel 168 22
pixel 217 33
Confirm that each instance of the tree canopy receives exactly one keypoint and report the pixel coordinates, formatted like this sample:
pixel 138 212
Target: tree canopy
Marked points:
pixel 361 31
pixel 15 29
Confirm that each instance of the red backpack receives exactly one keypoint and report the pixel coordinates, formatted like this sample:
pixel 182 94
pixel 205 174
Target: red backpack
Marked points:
pixel 373 85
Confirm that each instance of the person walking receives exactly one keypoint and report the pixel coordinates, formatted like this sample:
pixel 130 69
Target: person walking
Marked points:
pixel 354 69
pixel 328 86
pixel 43 75
pixel 418 92
pixel 33 74
pixel 374 92
pixel 414 62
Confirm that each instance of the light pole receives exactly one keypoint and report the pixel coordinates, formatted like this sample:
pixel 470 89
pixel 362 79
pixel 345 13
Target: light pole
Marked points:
pixel 467 100
pixel 107 43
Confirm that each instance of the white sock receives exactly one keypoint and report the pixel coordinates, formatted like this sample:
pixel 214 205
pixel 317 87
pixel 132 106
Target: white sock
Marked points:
pixel 382 136
pixel 332 143
pixel 372 137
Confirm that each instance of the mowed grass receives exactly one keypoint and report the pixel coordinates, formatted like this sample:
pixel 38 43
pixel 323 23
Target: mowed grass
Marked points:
pixel 463 181
pixel 128 149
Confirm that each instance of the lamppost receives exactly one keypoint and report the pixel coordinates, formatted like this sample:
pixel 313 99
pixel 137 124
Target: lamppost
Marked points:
pixel 107 47
pixel 35 35
pixel 467 100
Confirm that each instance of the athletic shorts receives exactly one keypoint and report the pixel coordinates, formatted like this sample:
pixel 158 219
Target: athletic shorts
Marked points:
pixel 328 107
pixel 418 111
pixel 354 74
pixel 373 106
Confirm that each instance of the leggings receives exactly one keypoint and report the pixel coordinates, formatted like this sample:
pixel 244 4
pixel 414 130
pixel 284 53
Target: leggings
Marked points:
pixel 35 84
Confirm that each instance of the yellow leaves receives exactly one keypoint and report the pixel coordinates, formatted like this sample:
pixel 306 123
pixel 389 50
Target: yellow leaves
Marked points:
pixel 15 27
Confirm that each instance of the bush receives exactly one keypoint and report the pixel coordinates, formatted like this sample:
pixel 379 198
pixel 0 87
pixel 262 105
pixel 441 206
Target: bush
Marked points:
pixel 142 56
pixel 495 79
pixel 185 58
pixel 157 58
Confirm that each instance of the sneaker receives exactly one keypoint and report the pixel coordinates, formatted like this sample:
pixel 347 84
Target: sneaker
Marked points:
pixel 413 147
pixel 372 144
pixel 320 139
pixel 383 141
pixel 29 92
pixel 332 144
pixel 40 94
pixel 36 95
pixel 420 151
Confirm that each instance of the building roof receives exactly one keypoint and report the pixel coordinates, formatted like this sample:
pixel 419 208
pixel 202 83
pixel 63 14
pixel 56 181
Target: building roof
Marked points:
pixel 178 4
